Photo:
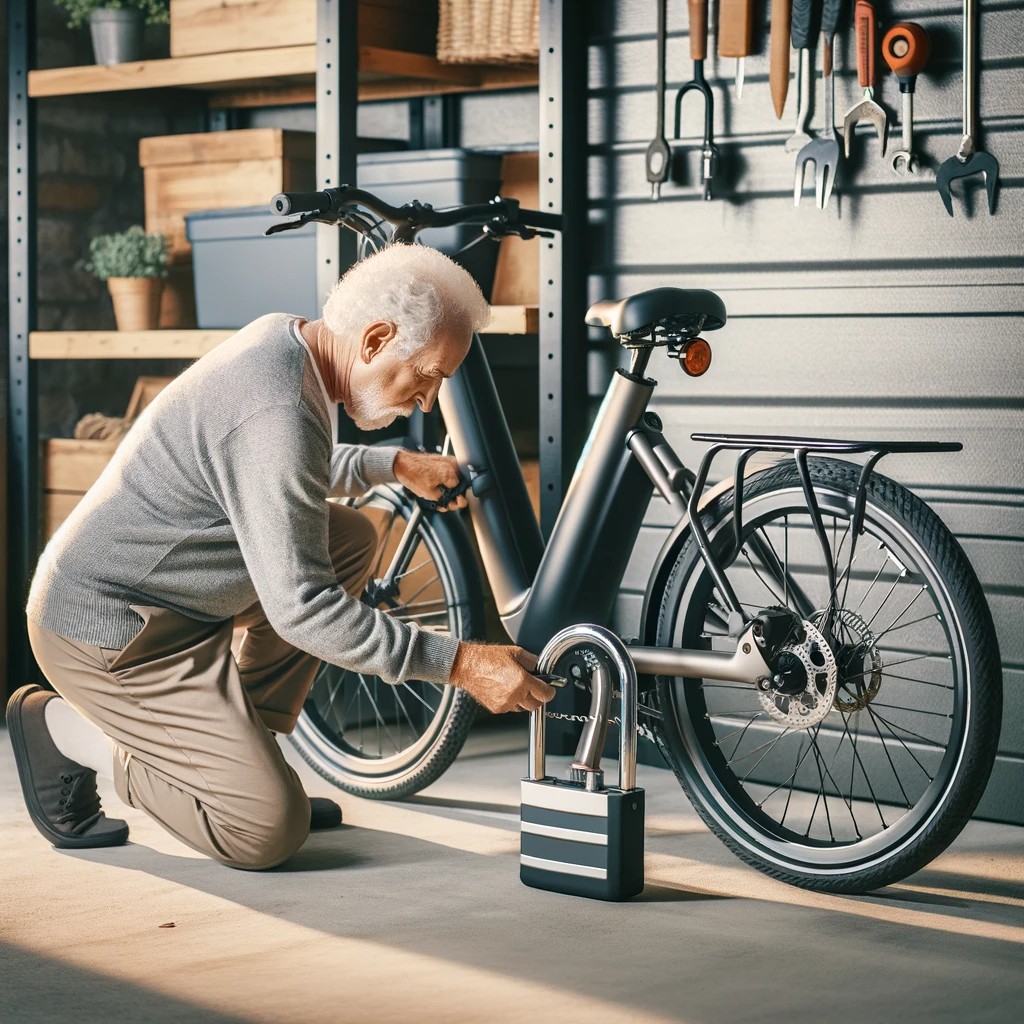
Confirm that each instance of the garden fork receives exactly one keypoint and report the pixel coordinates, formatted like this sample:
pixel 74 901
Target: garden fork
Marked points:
pixel 823 152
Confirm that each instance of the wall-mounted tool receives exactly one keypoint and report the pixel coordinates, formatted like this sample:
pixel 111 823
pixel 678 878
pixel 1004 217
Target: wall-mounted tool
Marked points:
pixel 802 34
pixel 698 53
pixel 778 61
pixel 659 156
pixel 823 152
pixel 968 158
pixel 867 109
pixel 736 34
pixel 906 49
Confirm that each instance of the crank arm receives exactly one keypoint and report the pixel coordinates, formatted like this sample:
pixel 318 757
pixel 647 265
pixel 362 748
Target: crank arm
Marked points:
pixel 744 665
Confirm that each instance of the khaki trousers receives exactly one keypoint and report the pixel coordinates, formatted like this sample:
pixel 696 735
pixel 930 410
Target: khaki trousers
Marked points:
pixel 193 729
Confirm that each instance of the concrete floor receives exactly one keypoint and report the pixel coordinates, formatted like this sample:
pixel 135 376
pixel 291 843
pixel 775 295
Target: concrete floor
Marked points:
pixel 414 912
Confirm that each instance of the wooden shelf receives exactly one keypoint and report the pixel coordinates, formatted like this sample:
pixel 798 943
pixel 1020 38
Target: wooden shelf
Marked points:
pixel 171 344
pixel 291 70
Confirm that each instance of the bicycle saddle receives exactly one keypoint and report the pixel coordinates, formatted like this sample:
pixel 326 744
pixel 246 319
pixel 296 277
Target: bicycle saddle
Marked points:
pixel 675 311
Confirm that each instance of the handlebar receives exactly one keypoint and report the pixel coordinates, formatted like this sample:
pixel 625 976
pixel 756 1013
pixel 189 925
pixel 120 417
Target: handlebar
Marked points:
pixel 338 205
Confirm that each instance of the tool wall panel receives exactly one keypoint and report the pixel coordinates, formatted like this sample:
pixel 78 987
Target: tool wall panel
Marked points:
pixel 878 316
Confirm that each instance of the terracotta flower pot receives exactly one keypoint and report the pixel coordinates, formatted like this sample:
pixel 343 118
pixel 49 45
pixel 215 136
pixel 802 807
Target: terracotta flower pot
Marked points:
pixel 136 302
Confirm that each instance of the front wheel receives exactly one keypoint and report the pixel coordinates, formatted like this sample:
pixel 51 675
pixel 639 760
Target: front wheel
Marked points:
pixel 388 742
pixel 892 771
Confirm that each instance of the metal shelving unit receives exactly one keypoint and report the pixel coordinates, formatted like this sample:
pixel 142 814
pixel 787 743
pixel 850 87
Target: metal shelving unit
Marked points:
pixel 336 74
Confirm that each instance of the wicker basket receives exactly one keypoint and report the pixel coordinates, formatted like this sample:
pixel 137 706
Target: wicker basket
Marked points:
pixel 488 31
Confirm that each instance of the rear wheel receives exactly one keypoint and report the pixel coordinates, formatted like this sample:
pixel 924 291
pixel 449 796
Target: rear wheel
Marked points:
pixel 890 774
pixel 376 740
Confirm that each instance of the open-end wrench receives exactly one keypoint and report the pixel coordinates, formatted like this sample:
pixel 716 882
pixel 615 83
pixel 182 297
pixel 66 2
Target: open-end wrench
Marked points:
pixel 823 152
pixel 698 53
pixel 906 48
pixel 968 158
pixel 867 109
pixel 658 156
pixel 802 35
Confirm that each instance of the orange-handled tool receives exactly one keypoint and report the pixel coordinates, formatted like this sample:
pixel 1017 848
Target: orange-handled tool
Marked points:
pixel 864 22
pixel 906 49
pixel 866 109
pixel 736 34
pixel 698 29
pixel 778 71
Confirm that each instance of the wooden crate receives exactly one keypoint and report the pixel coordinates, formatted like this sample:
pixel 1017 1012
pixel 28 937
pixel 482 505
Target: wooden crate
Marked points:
pixel 220 170
pixel 70 468
pixel 216 26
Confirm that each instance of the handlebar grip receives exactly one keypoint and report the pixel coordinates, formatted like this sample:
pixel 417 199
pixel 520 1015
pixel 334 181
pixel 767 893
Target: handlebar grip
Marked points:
pixel 301 202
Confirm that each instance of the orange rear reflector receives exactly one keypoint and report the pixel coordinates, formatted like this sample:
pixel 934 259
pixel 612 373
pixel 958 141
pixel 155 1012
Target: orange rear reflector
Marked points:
pixel 695 357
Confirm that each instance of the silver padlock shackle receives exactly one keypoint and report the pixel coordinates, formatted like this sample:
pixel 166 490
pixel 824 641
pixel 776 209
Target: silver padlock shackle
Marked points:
pixel 622 664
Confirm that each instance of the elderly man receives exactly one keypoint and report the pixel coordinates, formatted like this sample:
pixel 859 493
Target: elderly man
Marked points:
pixel 213 513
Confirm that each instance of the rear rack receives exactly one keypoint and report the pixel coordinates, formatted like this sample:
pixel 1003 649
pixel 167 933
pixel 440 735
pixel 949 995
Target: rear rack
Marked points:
pixel 801 447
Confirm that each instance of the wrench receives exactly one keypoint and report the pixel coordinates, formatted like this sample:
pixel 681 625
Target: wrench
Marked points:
pixel 658 156
pixel 867 109
pixel 906 48
pixel 824 151
pixel 968 158
pixel 802 35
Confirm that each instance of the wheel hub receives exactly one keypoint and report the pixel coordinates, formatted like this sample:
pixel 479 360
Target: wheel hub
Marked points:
pixel 860 664
pixel 802 688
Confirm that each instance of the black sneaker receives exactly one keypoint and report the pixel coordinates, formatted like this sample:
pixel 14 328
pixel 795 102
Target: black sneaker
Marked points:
pixel 323 813
pixel 60 794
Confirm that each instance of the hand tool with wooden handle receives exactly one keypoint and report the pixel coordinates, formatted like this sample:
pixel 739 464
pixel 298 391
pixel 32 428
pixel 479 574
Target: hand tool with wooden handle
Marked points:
pixel 867 109
pixel 778 68
pixel 736 34
pixel 823 152
pixel 968 159
pixel 658 156
pixel 698 52
pixel 802 34
pixel 906 48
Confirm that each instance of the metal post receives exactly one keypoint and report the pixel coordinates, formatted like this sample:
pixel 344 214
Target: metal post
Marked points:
pixel 23 457
pixel 563 189
pixel 337 102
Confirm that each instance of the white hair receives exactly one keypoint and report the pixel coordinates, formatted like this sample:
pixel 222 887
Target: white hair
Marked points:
pixel 418 289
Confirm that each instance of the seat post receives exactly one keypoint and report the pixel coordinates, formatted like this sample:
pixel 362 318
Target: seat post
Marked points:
pixel 639 360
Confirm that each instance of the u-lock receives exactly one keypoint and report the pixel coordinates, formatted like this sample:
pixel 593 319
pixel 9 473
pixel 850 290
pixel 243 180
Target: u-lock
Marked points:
pixel 578 837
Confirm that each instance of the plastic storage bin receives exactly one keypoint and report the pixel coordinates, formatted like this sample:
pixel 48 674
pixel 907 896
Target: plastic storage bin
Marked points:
pixel 240 274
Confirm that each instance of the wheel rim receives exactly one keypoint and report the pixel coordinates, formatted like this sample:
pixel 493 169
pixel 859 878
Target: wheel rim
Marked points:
pixel 356 723
pixel 871 775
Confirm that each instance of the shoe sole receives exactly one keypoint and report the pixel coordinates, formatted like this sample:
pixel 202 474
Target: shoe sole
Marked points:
pixel 35 809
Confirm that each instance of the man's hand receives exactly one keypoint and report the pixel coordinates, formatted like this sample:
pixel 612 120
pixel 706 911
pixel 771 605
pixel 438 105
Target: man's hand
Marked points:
pixel 428 475
pixel 499 677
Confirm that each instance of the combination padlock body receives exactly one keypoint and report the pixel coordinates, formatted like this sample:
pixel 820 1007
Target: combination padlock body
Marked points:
pixel 578 837
pixel 582 843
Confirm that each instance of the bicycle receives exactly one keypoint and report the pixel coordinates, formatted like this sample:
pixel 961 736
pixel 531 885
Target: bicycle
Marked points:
pixel 804 620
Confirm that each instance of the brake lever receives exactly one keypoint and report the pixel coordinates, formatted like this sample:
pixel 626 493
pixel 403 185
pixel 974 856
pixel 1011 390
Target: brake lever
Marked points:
pixel 299 222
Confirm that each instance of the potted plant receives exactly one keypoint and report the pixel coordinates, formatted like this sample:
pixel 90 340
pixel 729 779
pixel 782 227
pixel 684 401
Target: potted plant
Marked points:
pixel 116 25
pixel 134 266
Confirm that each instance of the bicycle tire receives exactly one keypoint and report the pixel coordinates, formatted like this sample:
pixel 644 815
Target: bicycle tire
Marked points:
pixel 427 757
pixel 698 753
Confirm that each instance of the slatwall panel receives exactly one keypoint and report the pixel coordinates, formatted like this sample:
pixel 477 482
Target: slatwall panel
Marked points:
pixel 881 316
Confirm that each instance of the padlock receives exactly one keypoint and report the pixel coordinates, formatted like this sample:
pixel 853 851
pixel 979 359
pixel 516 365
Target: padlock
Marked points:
pixel 578 837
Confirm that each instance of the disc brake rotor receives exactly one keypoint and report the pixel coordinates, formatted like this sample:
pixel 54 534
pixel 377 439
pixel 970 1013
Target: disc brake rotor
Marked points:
pixel 861 684
pixel 810 705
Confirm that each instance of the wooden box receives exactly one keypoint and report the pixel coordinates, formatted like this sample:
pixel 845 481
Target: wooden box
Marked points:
pixel 219 170
pixel 71 466
pixel 216 26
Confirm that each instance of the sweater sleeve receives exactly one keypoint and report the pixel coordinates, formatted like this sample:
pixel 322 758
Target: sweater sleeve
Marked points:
pixel 355 468
pixel 271 477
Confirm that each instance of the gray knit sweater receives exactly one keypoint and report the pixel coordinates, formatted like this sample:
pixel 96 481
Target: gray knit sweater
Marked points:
pixel 217 497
